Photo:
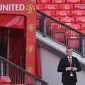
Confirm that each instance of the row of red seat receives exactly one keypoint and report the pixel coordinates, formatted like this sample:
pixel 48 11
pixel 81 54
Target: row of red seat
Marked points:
pixel 61 13
pixel 65 16
pixel 73 42
pixel 77 23
pixel 63 35
pixel 70 40
pixel 60 1
pixel 73 20
pixel 54 26
pixel 60 7
pixel 73 13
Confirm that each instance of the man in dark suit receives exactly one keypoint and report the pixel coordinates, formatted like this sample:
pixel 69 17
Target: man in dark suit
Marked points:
pixel 69 65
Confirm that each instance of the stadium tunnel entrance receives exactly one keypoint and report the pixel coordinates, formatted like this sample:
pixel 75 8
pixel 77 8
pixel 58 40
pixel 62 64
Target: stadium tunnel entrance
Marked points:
pixel 12 38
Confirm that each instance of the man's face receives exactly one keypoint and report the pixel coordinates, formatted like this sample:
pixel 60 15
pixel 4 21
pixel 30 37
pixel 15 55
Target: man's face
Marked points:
pixel 69 52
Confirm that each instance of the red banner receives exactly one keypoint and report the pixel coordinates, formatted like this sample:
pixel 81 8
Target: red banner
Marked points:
pixel 31 38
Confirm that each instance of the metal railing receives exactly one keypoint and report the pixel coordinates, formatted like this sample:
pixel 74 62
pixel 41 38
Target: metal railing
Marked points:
pixel 17 74
pixel 61 32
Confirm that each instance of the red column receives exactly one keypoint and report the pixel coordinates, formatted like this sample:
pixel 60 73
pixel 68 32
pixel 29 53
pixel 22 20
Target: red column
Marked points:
pixel 31 37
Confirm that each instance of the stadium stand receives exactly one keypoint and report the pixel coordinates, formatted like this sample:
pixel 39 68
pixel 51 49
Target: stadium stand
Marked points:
pixel 70 12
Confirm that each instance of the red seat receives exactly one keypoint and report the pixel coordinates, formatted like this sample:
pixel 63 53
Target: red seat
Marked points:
pixel 77 13
pixel 65 6
pixel 83 1
pixel 67 19
pixel 74 43
pixel 50 7
pixel 73 1
pixel 39 6
pixel 51 22
pixel 75 26
pixel 84 13
pixel 72 34
pixel 62 13
pixel 83 31
pixel 48 24
pixel 60 36
pixel 39 15
pixel 50 13
pixel 48 20
pixel 80 19
pixel 54 27
pixel 79 6
pixel 43 1
pixel 58 1
pixel 82 26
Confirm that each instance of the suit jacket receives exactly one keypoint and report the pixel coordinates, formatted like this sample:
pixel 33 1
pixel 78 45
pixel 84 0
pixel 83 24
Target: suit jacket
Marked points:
pixel 66 74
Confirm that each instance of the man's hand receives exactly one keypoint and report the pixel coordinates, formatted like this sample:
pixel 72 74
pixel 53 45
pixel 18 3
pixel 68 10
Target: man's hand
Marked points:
pixel 68 68
pixel 74 69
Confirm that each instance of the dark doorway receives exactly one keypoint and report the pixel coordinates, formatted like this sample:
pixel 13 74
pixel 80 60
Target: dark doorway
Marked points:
pixel 3 42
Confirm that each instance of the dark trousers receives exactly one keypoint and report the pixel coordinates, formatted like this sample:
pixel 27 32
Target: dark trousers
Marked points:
pixel 72 83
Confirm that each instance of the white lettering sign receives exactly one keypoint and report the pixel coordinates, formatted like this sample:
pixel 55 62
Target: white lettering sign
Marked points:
pixel 12 7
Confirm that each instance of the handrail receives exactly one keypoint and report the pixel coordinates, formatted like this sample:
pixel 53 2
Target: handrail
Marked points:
pixel 23 70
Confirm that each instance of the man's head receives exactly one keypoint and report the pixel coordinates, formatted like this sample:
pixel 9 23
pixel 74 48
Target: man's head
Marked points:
pixel 69 51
